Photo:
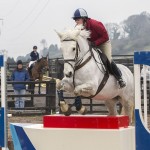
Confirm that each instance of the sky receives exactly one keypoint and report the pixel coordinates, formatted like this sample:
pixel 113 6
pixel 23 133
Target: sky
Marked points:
pixel 24 23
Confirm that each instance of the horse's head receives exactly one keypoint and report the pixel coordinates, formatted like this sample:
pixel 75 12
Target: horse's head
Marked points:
pixel 43 62
pixel 74 46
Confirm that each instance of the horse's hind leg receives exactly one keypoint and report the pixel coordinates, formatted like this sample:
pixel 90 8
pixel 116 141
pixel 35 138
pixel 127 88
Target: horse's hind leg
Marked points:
pixel 128 109
pixel 111 106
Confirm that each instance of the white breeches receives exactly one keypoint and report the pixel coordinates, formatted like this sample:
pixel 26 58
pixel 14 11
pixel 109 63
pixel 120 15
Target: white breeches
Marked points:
pixel 31 62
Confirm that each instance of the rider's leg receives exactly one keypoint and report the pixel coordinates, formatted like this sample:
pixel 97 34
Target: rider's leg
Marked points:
pixel 106 49
pixel 117 73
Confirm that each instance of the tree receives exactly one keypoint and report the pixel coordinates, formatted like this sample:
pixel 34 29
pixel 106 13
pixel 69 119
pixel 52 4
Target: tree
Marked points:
pixel 44 43
pixel 10 60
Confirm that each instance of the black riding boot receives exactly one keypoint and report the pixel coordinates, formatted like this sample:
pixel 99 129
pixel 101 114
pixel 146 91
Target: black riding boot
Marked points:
pixel 117 73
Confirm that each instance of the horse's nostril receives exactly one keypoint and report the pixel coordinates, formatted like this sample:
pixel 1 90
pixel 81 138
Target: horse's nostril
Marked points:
pixel 69 74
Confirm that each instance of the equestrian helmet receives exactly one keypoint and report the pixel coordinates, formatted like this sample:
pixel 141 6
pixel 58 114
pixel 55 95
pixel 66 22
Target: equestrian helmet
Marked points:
pixel 80 13
pixel 19 62
pixel 34 47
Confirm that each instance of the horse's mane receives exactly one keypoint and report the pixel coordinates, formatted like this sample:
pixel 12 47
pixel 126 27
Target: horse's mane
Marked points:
pixel 74 33
pixel 41 59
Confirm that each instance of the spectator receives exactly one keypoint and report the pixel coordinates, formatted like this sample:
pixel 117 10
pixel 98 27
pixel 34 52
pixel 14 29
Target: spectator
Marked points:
pixel 19 74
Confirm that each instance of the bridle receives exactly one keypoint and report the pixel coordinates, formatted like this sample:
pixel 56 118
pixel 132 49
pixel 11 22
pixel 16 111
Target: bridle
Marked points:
pixel 76 55
pixel 79 63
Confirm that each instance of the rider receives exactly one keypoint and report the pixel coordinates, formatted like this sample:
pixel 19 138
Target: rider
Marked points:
pixel 34 56
pixel 99 39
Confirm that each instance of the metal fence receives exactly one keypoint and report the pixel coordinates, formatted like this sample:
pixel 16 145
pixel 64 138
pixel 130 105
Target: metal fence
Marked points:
pixel 49 95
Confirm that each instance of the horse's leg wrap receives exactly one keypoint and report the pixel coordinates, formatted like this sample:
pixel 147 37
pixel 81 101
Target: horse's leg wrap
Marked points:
pixel 63 105
pixel 79 107
pixel 78 103
pixel 60 95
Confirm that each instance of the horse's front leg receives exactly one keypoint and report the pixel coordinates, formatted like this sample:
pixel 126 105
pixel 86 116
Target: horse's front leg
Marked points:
pixel 85 90
pixel 65 108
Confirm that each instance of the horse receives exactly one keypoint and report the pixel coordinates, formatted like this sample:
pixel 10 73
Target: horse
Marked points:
pixel 36 71
pixel 85 74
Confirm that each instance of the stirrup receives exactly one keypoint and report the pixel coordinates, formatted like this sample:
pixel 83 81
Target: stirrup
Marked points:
pixel 122 83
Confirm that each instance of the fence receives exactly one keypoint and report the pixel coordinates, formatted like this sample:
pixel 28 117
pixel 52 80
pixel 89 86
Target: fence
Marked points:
pixel 56 71
pixel 50 96
pixel 56 65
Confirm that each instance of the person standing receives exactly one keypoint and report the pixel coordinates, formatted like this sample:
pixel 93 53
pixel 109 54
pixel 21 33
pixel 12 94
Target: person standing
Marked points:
pixel 19 74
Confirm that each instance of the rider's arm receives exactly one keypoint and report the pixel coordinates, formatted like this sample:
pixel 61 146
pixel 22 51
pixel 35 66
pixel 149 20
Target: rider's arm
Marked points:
pixel 101 31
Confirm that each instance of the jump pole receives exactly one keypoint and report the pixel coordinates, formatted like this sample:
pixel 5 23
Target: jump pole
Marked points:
pixel 141 130
pixel 3 109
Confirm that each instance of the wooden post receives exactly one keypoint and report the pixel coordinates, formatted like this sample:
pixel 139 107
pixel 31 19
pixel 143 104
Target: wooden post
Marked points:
pixel 51 96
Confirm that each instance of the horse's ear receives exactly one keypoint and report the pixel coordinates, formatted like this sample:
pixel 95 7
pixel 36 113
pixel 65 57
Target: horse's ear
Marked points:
pixel 59 34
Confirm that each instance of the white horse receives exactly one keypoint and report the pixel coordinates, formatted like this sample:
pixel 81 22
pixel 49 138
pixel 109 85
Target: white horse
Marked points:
pixel 84 72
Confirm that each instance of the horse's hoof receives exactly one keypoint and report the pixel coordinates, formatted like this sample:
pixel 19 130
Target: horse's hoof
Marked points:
pixel 83 110
pixel 64 106
pixel 68 113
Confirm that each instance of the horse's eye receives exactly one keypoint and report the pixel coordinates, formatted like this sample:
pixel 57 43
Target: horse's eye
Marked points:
pixel 74 49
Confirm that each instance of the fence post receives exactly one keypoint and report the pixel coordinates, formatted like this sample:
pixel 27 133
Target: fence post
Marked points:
pixel 51 96
pixel 3 110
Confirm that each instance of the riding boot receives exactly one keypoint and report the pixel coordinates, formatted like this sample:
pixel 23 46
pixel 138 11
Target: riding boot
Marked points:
pixel 118 75
pixel 78 103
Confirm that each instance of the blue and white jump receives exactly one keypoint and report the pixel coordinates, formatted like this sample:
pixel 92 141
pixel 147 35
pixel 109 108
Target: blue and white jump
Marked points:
pixel 142 131
pixel 3 108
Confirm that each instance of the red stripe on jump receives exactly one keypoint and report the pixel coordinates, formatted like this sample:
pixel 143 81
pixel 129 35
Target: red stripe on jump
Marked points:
pixel 90 121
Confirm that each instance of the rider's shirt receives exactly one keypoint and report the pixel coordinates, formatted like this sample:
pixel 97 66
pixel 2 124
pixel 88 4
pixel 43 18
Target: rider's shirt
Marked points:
pixel 99 33
pixel 34 56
